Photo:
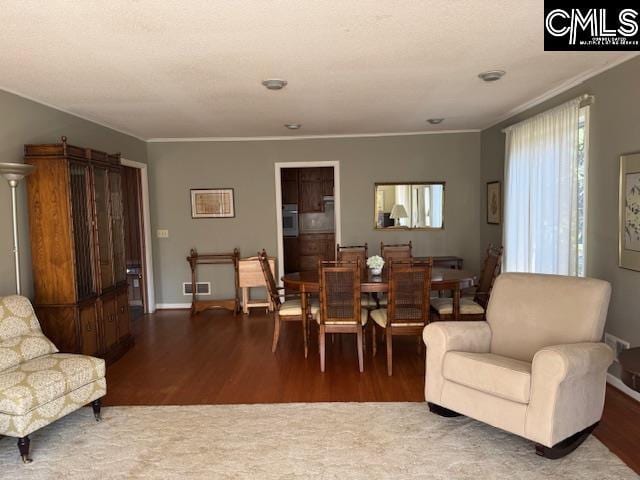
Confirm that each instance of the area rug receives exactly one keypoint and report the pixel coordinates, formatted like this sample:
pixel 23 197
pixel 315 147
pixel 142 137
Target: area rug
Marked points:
pixel 291 441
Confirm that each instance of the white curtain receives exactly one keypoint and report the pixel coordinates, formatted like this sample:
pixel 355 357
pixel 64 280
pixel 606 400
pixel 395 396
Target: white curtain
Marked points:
pixel 541 180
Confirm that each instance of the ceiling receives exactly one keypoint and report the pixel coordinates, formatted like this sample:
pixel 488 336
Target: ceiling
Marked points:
pixel 193 68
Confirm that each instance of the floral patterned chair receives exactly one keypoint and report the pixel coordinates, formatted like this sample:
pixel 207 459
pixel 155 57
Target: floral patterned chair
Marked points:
pixel 38 385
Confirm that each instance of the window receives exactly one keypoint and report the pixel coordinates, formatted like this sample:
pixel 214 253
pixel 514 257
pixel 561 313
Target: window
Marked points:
pixel 546 192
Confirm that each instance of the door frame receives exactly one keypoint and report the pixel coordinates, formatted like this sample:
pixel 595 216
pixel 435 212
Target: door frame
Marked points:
pixel 147 267
pixel 336 198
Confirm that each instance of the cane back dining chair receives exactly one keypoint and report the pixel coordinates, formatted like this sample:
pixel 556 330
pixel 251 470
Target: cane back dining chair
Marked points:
pixel 352 253
pixel 288 311
pixel 399 251
pixel 473 307
pixel 407 312
pixel 340 310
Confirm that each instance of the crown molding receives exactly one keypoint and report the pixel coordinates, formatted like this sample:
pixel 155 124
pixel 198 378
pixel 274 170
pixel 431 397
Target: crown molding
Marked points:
pixel 563 87
pixel 73 114
pixel 305 137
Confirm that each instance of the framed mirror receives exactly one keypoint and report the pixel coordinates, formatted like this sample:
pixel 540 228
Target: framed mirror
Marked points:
pixel 409 205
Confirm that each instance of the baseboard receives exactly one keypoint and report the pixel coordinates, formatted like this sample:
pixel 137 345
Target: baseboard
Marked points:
pixel 173 306
pixel 619 384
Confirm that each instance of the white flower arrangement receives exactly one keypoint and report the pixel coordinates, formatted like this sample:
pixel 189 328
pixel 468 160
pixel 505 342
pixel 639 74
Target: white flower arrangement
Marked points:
pixel 375 262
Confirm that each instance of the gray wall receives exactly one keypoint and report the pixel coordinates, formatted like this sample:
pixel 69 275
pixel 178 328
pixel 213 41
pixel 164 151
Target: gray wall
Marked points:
pixel 248 167
pixel 614 130
pixel 23 121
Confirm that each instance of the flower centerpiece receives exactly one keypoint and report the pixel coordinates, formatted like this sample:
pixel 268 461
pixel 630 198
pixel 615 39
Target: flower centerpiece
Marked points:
pixel 375 263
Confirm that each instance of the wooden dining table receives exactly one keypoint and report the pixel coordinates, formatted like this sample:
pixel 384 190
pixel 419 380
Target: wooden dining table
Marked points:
pixel 450 279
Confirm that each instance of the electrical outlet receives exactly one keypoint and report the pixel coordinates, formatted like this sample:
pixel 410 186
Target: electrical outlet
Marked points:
pixel 616 344
pixel 162 233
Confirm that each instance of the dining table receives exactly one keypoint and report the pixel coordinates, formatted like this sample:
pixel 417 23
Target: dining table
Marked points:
pixel 442 279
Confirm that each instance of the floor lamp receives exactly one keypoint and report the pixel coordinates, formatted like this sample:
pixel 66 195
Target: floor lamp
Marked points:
pixel 13 173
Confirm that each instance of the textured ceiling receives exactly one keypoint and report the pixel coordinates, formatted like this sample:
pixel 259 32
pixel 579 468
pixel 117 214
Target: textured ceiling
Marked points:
pixel 192 68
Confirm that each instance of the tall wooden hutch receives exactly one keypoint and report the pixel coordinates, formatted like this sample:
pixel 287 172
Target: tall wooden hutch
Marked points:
pixel 78 248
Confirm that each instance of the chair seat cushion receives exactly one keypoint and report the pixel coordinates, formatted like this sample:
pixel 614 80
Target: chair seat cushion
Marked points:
pixel 364 316
pixel 380 317
pixel 43 379
pixel 444 306
pixel 294 307
pixel 368 301
pixel 490 373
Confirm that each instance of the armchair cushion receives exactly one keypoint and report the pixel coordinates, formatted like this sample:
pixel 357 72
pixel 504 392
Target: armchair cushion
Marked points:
pixel 294 307
pixel 493 374
pixel 444 306
pixel 41 380
pixel 21 338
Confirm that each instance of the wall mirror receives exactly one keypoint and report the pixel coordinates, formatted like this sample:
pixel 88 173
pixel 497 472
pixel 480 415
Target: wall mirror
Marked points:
pixel 415 205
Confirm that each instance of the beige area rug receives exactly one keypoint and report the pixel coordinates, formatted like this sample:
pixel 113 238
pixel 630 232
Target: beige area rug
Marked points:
pixel 290 441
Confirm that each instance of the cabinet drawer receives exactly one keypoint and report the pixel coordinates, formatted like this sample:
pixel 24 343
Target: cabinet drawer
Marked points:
pixel 311 245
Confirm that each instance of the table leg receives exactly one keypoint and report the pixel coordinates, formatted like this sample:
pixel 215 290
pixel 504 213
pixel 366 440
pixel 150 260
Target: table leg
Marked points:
pixel 305 320
pixel 456 303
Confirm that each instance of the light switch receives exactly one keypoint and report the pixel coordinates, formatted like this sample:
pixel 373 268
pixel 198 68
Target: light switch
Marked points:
pixel 162 233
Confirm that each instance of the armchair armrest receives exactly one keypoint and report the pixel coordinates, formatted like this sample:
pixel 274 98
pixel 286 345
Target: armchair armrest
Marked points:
pixel 567 390
pixel 442 337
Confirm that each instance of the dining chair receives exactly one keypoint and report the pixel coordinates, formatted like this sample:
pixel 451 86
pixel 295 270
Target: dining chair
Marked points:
pixel 340 310
pixel 407 312
pixel 352 253
pixel 399 251
pixel 473 307
pixel 288 311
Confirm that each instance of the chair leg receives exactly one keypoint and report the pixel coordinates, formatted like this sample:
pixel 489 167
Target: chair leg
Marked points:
pixel 96 405
pixel 374 340
pixel 566 446
pixel 304 335
pixel 276 332
pixel 389 350
pixel 359 335
pixel 419 344
pixel 321 337
pixel 23 446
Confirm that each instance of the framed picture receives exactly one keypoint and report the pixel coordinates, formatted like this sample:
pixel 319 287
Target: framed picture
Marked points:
pixel 212 203
pixel 629 212
pixel 494 203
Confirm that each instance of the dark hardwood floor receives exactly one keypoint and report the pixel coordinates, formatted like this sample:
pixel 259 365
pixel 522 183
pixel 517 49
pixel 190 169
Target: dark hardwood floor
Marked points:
pixel 215 358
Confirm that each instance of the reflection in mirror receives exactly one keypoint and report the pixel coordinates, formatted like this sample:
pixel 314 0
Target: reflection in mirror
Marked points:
pixel 409 205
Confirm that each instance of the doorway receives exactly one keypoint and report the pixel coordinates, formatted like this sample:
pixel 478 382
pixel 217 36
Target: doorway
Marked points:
pixel 308 214
pixel 137 238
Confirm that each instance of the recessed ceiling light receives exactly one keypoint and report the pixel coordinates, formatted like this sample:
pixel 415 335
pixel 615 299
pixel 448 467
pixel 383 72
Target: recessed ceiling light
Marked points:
pixel 293 126
pixel 435 121
pixel 492 75
pixel 274 83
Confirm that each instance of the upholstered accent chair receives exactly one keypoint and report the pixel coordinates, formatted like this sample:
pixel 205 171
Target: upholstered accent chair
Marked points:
pixel 38 385
pixel 535 368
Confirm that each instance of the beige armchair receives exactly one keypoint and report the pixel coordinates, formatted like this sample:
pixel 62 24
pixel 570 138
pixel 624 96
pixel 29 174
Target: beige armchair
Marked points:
pixel 535 368
pixel 38 385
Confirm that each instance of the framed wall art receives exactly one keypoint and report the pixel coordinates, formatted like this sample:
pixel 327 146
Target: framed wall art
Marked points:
pixel 629 212
pixel 494 203
pixel 212 203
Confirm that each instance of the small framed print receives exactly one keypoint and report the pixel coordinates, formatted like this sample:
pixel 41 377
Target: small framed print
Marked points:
pixel 629 212
pixel 212 203
pixel 494 203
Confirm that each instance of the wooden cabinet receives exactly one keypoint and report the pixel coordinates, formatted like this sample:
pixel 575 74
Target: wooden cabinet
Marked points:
pixel 291 254
pixel 315 247
pixel 311 189
pixel 77 248
pixel 327 181
pixel 289 182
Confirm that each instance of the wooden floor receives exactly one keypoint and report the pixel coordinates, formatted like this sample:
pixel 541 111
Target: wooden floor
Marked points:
pixel 215 358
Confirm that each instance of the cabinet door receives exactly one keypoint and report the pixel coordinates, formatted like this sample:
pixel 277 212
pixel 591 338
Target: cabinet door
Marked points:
pixel 289 185
pixel 109 321
pixel 89 329
pixel 117 226
pixel 291 254
pixel 103 226
pixel 310 196
pixel 82 229
pixel 327 181
pixel 122 303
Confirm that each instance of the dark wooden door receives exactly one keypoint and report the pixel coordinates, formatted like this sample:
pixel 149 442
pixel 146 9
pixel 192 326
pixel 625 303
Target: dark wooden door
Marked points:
pixel 89 329
pixel 289 182
pixel 122 304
